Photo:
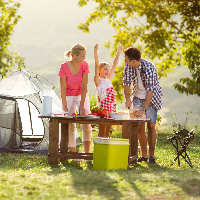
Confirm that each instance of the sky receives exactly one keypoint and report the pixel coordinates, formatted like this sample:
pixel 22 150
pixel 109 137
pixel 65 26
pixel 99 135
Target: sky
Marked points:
pixel 48 28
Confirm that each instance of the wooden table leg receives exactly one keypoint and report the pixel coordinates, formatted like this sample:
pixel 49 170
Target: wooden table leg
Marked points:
pixel 134 142
pixel 130 131
pixel 64 138
pixel 53 141
pixel 126 128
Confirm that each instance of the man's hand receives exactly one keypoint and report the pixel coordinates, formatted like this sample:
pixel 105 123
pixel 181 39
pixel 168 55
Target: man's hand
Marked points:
pixel 128 103
pixel 138 113
pixel 127 92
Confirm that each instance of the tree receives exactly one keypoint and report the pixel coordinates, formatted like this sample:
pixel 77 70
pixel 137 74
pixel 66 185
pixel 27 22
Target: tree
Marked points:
pixel 8 19
pixel 166 32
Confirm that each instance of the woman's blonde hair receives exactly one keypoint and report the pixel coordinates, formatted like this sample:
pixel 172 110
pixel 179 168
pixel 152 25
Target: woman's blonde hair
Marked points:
pixel 102 64
pixel 75 50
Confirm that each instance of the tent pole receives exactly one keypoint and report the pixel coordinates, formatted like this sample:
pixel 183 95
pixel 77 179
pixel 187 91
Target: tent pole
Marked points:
pixel 30 117
pixel 15 122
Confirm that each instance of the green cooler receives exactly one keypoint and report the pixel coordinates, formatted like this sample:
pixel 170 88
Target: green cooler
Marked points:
pixel 110 153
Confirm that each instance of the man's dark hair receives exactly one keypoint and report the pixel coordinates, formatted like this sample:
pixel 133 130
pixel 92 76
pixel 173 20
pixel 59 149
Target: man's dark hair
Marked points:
pixel 133 53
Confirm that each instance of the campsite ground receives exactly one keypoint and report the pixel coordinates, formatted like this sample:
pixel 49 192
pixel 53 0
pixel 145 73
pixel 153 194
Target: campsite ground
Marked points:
pixel 26 176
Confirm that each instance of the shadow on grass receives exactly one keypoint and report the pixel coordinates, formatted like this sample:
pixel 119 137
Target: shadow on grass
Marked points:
pixel 188 181
pixel 101 182
pixel 191 187
pixel 91 182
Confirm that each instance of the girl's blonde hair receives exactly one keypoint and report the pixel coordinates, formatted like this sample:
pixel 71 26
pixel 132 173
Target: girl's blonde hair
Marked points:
pixel 102 64
pixel 75 50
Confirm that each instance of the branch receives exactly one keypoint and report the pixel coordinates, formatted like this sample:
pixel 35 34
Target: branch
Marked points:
pixel 179 30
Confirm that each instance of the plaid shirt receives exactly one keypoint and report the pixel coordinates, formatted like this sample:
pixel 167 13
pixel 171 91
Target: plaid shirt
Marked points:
pixel 149 78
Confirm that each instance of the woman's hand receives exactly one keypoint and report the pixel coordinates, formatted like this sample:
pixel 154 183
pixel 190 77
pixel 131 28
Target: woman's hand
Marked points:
pixel 81 110
pixel 65 107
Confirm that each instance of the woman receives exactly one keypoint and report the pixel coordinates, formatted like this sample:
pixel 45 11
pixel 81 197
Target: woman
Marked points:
pixel 73 82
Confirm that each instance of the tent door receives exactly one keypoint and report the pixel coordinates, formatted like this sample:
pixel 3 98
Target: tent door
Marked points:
pixel 32 126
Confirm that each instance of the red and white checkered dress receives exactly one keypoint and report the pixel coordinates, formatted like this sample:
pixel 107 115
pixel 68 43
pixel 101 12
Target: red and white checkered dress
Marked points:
pixel 106 95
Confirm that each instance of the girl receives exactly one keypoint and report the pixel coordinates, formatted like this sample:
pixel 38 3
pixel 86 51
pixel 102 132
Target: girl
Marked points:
pixel 73 82
pixel 105 91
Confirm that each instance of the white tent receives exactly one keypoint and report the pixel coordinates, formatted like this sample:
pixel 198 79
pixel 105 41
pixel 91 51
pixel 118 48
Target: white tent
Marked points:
pixel 21 96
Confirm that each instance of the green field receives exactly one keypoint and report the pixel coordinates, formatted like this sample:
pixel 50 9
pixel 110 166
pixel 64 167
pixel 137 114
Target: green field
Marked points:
pixel 28 176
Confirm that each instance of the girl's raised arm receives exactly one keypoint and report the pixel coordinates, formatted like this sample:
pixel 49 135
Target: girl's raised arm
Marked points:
pixel 115 62
pixel 96 60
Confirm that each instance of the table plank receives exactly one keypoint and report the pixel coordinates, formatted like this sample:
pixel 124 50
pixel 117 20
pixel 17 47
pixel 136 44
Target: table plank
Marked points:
pixel 76 155
pixel 86 120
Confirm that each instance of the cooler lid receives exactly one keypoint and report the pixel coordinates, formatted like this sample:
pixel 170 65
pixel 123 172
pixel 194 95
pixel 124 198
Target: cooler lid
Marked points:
pixel 116 141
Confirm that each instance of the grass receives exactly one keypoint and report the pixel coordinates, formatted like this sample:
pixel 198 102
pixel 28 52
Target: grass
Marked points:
pixel 26 176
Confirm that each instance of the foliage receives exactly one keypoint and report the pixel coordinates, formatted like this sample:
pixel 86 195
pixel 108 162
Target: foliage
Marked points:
pixel 93 102
pixel 97 108
pixel 159 119
pixel 166 32
pixel 191 85
pixel 8 20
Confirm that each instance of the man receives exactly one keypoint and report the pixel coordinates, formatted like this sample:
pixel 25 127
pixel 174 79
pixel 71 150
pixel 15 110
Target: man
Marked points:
pixel 146 96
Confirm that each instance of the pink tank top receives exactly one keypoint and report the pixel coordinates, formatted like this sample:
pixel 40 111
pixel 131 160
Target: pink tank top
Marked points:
pixel 73 83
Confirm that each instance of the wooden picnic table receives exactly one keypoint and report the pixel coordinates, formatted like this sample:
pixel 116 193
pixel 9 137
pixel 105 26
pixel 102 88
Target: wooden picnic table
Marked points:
pixel 129 131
